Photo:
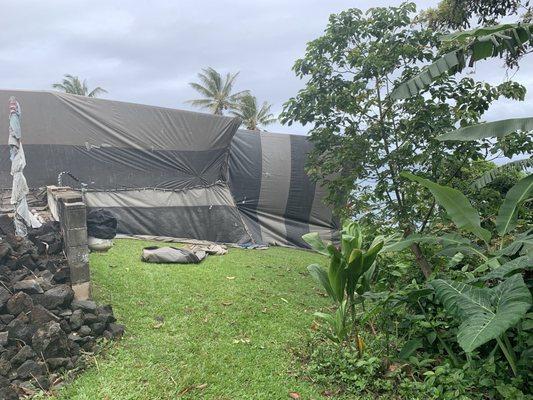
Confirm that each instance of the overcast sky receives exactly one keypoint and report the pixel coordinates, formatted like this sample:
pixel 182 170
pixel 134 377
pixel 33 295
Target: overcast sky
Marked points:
pixel 147 52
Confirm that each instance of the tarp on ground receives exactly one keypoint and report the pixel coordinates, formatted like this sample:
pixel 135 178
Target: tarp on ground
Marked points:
pixel 168 172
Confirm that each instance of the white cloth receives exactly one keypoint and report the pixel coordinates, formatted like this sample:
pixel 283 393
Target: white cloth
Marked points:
pixel 19 190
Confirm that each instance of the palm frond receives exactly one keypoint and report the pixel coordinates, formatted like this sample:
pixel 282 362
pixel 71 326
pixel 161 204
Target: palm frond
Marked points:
pixel 201 89
pixel 203 103
pixel 217 91
pixel 253 117
pixel 96 91
pixel 73 85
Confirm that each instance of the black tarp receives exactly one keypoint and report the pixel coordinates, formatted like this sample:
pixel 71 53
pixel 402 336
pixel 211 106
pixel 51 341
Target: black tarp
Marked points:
pixel 167 172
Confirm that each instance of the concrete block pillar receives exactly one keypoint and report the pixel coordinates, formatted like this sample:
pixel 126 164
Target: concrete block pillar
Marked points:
pixel 73 219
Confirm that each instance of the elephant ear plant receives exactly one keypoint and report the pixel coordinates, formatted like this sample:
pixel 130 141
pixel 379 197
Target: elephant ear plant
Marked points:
pixel 347 277
pixel 495 297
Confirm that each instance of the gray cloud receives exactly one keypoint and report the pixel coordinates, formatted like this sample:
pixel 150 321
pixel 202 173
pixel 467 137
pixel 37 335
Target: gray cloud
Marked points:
pixel 147 52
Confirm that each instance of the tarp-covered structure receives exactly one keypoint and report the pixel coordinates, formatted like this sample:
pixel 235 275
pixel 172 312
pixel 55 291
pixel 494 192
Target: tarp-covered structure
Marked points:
pixel 168 172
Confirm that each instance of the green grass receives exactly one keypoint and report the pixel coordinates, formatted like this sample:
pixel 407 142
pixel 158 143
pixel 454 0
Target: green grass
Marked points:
pixel 229 326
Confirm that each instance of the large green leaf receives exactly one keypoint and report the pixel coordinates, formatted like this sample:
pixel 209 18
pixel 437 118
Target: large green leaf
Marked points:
pixel 337 273
pixel 370 256
pixel 489 129
pixel 460 299
pixel 479 44
pixel 522 244
pixel 519 193
pixel 321 276
pixel 511 267
pixel 469 249
pixel 489 176
pixel 314 240
pixel 409 348
pixel 485 313
pixel 352 238
pixel 354 270
pixel 453 61
pixel 462 36
pixel 456 205
pixel 511 302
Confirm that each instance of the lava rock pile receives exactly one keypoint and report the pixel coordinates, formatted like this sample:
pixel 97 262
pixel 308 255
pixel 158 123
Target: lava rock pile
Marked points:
pixel 43 330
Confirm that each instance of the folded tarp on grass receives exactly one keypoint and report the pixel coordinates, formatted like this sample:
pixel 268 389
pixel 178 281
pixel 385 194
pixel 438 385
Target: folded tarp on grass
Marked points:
pixel 171 255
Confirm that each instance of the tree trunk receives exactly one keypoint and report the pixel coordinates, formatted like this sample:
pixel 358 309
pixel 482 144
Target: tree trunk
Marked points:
pixel 421 260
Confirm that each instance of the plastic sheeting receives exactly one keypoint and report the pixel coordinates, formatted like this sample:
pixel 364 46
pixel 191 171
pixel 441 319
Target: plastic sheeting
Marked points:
pixel 19 190
pixel 173 173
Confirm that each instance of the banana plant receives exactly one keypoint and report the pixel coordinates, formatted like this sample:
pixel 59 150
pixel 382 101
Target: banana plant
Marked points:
pixel 477 44
pixel 348 275
pixel 466 218
pixel 485 313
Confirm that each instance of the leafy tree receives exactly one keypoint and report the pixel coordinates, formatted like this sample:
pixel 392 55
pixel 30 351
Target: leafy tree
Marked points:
pixel 364 138
pixel 457 14
pixel 73 85
pixel 253 117
pixel 216 91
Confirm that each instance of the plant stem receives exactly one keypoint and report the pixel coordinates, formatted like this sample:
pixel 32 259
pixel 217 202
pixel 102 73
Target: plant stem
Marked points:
pixel 508 355
pixel 448 349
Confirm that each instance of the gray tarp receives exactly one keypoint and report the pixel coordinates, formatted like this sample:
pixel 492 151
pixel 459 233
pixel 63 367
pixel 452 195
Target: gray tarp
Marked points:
pixel 169 172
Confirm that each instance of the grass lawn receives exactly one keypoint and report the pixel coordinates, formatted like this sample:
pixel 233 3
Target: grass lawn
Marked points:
pixel 228 328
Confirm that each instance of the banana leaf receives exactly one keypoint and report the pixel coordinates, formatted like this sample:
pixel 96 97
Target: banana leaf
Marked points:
pixel 446 240
pixel 511 267
pixel 313 239
pixel 522 244
pixel 489 129
pixel 479 44
pixel 507 214
pixel 489 176
pixel 463 36
pixel 456 205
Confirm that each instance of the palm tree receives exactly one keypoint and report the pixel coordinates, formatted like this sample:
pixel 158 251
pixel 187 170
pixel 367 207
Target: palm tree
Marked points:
pixel 252 116
pixel 73 85
pixel 216 91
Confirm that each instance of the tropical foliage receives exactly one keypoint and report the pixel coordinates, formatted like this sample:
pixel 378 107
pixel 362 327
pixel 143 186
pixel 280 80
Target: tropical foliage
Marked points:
pixel 252 115
pixel 403 144
pixel 216 91
pixel 457 14
pixel 347 278
pixel 487 313
pixel 363 138
pixel 474 45
pixel 74 85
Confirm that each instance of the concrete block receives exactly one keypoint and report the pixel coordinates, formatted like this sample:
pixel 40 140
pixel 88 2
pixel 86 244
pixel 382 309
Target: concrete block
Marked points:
pixel 77 255
pixel 79 273
pixel 75 237
pixel 73 215
pixel 82 291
